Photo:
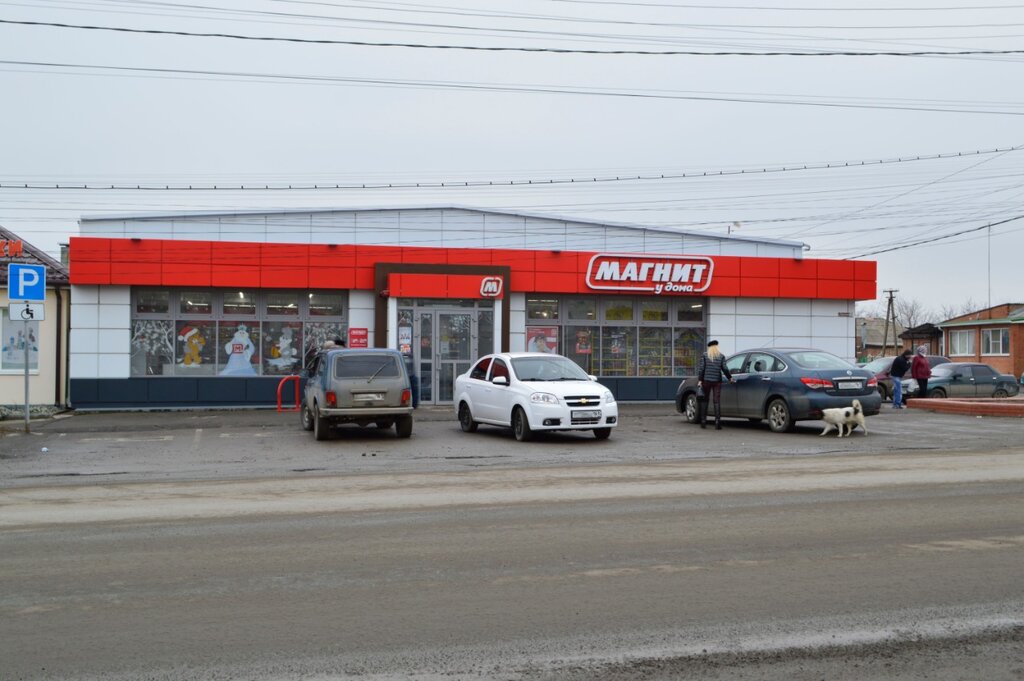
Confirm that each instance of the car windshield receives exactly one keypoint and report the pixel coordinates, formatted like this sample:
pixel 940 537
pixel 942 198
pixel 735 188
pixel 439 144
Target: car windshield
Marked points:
pixel 880 364
pixel 548 369
pixel 816 359
pixel 366 365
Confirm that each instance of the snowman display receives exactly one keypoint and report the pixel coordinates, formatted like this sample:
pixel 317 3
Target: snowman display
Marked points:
pixel 239 351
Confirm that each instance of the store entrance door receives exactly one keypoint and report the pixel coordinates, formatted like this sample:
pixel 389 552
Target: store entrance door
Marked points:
pixel 445 342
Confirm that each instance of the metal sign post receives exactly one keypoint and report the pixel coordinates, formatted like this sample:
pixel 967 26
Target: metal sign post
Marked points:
pixel 26 283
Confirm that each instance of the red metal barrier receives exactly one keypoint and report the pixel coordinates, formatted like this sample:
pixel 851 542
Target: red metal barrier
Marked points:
pixel 280 387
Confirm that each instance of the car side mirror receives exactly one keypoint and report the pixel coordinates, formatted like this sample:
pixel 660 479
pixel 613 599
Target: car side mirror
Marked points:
pixel 500 380
pixel 958 375
pixel 592 377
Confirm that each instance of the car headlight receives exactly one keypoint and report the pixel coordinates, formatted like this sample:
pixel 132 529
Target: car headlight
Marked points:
pixel 608 397
pixel 543 398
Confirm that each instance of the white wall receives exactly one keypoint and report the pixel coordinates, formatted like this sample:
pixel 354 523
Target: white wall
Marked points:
pixel 361 313
pixel 516 322
pixel 745 323
pixel 432 227
pixel 100 344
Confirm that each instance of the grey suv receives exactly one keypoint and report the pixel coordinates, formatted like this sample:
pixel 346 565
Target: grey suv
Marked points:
pixel 357 386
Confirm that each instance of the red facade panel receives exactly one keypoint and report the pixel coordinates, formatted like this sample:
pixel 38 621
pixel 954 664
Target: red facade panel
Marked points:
pixel 759 287
pixel 760 268
pixel 89 248
pixel 231 264
pixel 798 269
pixel 141 273
pixel 193 252
pixel 136 250
pixel 186 274
pixel 86 272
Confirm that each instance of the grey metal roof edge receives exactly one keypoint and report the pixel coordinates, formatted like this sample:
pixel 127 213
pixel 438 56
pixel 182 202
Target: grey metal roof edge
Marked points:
pixel 366 209
pixel 56 271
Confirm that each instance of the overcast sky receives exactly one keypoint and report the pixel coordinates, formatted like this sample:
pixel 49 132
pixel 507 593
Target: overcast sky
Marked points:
pixel 938 134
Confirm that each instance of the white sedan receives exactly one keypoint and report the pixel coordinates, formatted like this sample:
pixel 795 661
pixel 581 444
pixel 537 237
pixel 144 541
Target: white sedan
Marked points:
pixel 533 391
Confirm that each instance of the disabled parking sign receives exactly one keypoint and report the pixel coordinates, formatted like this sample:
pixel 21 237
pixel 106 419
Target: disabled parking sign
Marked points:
pixel 26 282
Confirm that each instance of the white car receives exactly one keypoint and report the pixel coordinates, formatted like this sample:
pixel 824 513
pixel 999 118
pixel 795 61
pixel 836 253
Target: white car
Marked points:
pixel 533 391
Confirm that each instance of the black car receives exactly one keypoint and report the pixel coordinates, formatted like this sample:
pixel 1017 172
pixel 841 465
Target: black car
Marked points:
pixel 786 385
pixel 881 366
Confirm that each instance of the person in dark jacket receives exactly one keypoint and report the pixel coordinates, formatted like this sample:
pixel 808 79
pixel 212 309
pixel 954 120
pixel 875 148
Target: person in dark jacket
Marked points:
pixel 921 371
pixel 710 371
pixel 897 371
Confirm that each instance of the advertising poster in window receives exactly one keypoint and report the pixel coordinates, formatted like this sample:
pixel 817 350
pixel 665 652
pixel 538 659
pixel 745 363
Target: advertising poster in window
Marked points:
pixel 542 339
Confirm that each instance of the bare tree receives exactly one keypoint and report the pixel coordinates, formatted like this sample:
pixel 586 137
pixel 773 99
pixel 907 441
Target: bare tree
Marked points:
pixel 957 309
pixel 911 312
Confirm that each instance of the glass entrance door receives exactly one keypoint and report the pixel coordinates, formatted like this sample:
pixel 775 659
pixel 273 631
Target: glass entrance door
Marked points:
pixel 444 343
pixel 456 349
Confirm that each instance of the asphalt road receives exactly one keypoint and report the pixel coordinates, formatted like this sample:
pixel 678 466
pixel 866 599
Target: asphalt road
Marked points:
pixel 189 545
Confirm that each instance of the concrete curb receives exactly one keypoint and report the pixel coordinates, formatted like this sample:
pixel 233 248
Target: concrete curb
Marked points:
pixel 980 406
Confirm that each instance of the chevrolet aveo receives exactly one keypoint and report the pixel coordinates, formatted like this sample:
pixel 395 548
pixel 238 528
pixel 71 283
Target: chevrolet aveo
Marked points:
pixel 531 392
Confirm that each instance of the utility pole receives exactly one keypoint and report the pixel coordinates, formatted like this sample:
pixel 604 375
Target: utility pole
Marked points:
pixel 890 313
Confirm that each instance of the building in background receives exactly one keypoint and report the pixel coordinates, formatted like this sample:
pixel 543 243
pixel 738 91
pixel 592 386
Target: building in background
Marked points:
pixel 213 309
pixel 46 340
pixel 994 336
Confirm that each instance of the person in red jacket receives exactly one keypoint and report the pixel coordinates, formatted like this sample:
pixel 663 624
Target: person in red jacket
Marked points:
pixel 920 371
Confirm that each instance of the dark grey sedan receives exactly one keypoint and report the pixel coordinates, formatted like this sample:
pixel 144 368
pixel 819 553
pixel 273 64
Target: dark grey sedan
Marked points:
pixel 786 385
pixel 966 379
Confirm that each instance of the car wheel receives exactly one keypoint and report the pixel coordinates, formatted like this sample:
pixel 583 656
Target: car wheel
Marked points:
pixel 692 408
pixel 883 392
pixel 1000 393
pixel 521 425
pixel 306 416
pixel 403 426
pixel 937 393
pixel 602 433
pixel 466 421
pixel 321 426
pixel 780 420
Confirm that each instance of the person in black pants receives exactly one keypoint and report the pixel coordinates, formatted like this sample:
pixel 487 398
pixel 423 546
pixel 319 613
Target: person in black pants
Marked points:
pixel 710 371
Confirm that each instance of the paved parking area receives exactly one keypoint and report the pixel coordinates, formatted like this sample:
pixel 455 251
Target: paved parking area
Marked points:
pixel 240 444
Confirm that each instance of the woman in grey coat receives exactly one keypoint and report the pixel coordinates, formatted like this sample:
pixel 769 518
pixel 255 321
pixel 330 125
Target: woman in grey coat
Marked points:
pixel 710 371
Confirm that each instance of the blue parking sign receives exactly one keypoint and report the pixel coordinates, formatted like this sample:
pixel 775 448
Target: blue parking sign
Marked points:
pixel 26 282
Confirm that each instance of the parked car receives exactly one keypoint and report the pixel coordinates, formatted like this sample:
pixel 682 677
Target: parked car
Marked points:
pixel 360 386
pixel 881 366
pixel 966 379
pixel 786 385
pixel 531 392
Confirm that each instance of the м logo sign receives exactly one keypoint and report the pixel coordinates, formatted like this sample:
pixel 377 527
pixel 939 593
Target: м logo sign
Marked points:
pixel 490 287
pixel 655 274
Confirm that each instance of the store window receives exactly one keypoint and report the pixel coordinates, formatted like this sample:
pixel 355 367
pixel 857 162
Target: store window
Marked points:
pixel 541 309
pixel 17 337
pixel 622 336
pixel 995 341
pixel 239 303
pixel 582 310
pixel 689 310
pixel 228 332
pixel 618 310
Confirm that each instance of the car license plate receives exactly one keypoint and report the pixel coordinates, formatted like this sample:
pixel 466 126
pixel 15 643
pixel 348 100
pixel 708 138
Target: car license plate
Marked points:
pixel 368 397
pixel 848 385
pixel 587 414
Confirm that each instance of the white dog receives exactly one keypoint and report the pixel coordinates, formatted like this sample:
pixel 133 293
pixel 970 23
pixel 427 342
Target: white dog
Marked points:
pixel 844 418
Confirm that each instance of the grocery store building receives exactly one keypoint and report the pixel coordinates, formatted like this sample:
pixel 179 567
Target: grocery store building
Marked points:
pixel 214 309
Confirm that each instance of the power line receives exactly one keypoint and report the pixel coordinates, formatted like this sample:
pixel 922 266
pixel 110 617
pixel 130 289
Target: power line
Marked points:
pixel 734 98
pixel 492 48
pixel 493 183
pixel 937 238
